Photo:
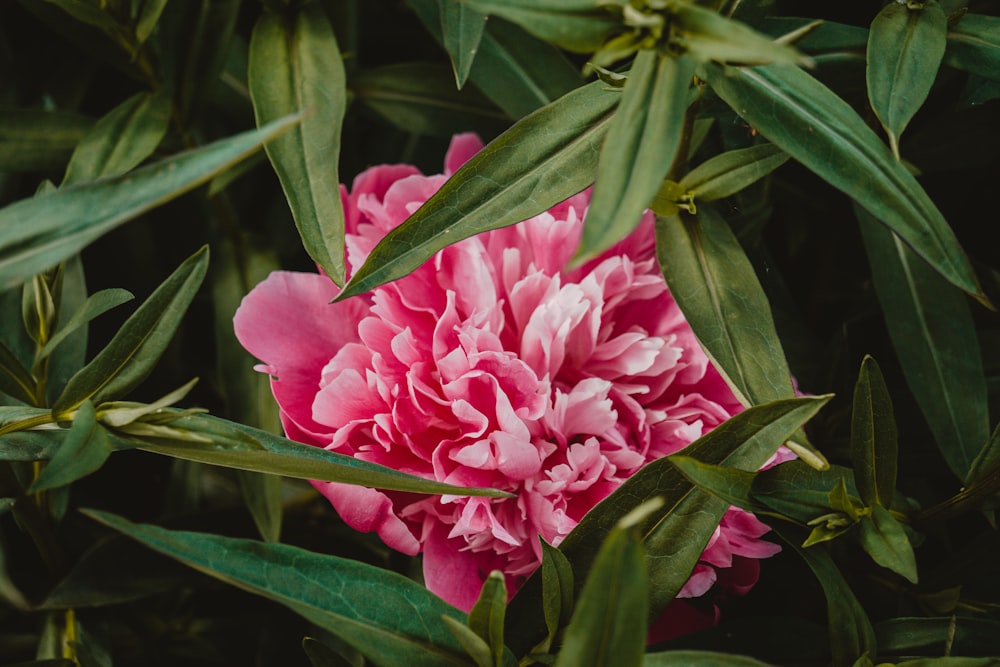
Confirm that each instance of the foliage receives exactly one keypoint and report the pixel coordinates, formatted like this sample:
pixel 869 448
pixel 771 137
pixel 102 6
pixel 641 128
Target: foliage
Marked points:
pixel 819 173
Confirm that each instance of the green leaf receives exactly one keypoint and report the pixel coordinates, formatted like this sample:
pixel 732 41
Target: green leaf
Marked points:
pixel 683 526
pixel 575 25
pixel 808 121
pixel 974 45
pixel 122 139
pixel 974 635
pixel 96 304
pixel 404 628
pixel 905 47
pixel 15 380
pixel 931 327
pixel 727 173
pixel 884 539
pixel 246 448
pixel 146 17
pixel 714 283
pixel 640 147
pixel 874 449
pixel 518 72
pixel 33 139
pixel 321 655
pixel 851 633
pixel 542 160
pixel 557 591
pixel 262 495
pixel 699 659
pixel 295 67
pixel 797 491
pixel 986 462
pixel 31 445
pixel 609 624
pixel 40 232
pixel 487 615
pixel 729 484
pixel 707 36
pixel 135 349
pixel 84 451
pixel 462 28
pixel 63 359
pixel 473 644
pixel 421 98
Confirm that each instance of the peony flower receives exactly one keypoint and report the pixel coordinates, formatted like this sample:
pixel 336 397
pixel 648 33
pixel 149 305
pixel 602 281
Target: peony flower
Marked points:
pixel 493 365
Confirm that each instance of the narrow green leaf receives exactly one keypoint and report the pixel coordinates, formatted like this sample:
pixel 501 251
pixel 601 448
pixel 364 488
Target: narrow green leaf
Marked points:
pixel 33 139
pixel 245 448
pixel 421 98
pixel 557 591
pixel 262 495
pixel 65 357
pixel 799 492
pixel 715 285
pixel 851 633
pixel 973 635
pixel 518 72
pixel 986 461
pixel 15 380
pixel 135 349
pixel 31 445
pixel 146 17
pixel 699 659
pixel 295 67
pixel 542 160
pixel 462 28
pixel 473 644
pixel 729 484
pixel 727 173
pixel 974 45
pixel 404 628
pixel 609 624
pixel 84 451
pixel 905 47
pixel 122 139
pixel 809 122
pixel 675 535
pixel 96 304
pixel 874 449
pixel 884 539
pixel 575 25
pixel 640 147
pixel 487 615
pixel 40 232
pixel 932 331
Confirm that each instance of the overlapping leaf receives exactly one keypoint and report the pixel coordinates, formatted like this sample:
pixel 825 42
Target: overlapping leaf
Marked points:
pixel 809 122
pixel 873 437
pixel 462 28
pixel 575 25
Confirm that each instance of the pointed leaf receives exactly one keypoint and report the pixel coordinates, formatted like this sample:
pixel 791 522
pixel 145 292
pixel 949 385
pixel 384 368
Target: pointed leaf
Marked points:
pixel 884 539
pixel 715 285
pixel 851 633
pixel 135 349
pixel 575 25
pixel 808 121
pixel 542 160
pixel 729 484
pixel 462 28
pixel 987 461
pixel 487 615
pixel 122 139
pixel 33 139
pixel 96 305
pixel 146 18
pixel 683 526
pixel 557 590
pixel 873 437
pixel 974 45
pixel 931 327
pixel 905 47
pixel 295 67
pixel 728 173
pixel 517 71
pixel 245 448
pixel 40 232
pixel 262 495
pixel 404 628
pixel 609 624
pixel 84 451
pixel 15 380
pixel 640 147
pixel 799 492
pixel 473 644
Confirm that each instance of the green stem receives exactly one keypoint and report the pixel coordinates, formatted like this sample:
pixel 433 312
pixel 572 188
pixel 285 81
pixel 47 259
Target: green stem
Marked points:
pixel 969 498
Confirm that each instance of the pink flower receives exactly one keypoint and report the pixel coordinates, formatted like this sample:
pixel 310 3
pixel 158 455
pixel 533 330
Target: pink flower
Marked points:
pixel 493 365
